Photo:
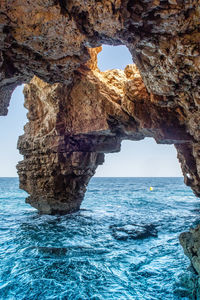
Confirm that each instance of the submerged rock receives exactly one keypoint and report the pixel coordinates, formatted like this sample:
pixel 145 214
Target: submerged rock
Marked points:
pixel 187 285
pixel 133 231
pixel 52 250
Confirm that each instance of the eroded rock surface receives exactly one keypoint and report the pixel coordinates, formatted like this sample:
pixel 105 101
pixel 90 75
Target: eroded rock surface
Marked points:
pixel 72 126
pixel 52 40
pixel 76 114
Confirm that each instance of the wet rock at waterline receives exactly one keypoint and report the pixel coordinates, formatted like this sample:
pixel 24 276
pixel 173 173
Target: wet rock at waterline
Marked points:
pixel 190 242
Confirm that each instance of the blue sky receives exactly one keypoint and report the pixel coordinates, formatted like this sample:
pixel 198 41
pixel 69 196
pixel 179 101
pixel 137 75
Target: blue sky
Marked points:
pixel 144 158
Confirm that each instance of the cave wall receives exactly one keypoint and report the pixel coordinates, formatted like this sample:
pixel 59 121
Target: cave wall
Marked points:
pixel 50 40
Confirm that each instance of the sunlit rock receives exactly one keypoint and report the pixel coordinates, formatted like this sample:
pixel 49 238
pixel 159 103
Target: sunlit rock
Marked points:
pixel 71 127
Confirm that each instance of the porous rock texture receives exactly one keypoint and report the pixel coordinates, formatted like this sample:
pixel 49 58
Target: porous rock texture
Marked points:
pixel 71 127
pixel 77 113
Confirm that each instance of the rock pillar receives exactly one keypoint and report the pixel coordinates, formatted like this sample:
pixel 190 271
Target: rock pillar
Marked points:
pixel 57 182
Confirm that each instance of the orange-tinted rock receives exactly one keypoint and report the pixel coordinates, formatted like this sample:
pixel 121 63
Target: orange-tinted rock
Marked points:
pixel 71 127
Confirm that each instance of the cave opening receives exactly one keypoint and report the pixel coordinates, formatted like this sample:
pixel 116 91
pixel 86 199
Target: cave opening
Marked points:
pixel 11 128
pixel 109 58
pixel 143 158
pixel 114 57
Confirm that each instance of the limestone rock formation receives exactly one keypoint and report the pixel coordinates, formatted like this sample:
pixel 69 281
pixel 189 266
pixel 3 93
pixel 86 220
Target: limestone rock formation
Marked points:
pixel 52 40
pixel 77 113
pixel 72 126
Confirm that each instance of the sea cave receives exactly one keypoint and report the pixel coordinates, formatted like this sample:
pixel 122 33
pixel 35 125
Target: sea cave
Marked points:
pixel 77 113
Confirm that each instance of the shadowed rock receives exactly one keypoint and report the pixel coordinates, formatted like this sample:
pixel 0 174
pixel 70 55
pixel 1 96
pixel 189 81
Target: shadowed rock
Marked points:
pixel 190 241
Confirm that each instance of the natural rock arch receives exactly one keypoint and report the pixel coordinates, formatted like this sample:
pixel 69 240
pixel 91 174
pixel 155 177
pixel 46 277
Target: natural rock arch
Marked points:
pixel 53 40
pixel 71 127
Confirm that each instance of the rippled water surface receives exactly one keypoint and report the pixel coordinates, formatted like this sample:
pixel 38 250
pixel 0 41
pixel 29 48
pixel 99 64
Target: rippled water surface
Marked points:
pixel 79 256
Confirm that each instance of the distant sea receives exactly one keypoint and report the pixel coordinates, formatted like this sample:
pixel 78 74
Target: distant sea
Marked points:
pixel 95 254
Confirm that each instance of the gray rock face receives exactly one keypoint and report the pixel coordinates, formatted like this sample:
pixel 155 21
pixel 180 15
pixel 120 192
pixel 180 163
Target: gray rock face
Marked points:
pixel 190 242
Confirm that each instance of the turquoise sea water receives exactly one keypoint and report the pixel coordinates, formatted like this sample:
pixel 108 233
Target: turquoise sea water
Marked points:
pixel 91 254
